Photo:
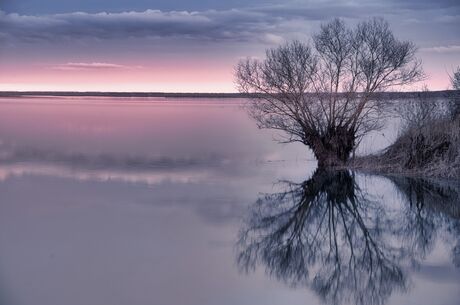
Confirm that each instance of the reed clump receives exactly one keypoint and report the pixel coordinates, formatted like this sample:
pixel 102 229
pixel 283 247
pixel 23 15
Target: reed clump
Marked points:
pixel 428 147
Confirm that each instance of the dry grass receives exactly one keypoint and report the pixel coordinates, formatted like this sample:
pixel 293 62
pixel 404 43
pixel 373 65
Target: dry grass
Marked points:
pixel 430 151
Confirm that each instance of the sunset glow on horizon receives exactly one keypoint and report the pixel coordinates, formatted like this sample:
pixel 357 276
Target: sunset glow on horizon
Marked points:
pixel 98 76
pixel 191 46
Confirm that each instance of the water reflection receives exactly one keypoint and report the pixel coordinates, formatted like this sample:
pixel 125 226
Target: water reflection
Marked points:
pixel 432 207
pixel 92 190
pixel 329 234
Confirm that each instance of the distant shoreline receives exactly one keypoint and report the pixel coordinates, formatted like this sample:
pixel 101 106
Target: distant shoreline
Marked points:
pixel 120 94
pixel 389 95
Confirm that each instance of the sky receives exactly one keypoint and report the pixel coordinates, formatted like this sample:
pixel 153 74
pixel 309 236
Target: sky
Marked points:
pixel 192 45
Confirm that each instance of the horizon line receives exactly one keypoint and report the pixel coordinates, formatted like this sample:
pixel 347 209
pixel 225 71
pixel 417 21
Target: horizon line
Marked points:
pixel 13 93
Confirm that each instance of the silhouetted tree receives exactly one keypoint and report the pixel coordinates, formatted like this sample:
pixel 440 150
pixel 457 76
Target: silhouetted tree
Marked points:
pixel 323 95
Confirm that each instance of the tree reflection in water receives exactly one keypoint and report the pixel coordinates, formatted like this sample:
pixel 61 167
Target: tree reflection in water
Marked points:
pixel 328 234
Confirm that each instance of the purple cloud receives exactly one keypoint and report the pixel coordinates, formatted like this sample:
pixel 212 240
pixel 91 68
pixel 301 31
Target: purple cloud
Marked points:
pixel 72 66
pixel 442 49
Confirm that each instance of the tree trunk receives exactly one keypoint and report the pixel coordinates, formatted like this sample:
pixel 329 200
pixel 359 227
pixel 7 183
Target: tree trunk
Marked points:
pixel 334 148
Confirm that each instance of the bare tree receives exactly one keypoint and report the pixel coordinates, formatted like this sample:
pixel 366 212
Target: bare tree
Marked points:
pixel 454 104
pixel 419 111
pixel 322 95
pixel 455 79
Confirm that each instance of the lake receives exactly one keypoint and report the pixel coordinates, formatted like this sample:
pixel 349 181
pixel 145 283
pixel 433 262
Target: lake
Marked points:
pixel 185 202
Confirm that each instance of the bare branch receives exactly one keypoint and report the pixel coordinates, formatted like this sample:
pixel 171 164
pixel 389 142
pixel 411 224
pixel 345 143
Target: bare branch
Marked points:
pixel 323 96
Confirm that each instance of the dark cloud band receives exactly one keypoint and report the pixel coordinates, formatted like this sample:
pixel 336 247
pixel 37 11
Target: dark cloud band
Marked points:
pixel 266 24
pixel 233 25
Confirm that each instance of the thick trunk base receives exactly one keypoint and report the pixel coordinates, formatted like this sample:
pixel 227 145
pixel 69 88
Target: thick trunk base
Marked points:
pixel 334 149
pixel 331 161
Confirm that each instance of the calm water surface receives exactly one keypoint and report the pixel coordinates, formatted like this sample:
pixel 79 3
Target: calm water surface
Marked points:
pixel 186 202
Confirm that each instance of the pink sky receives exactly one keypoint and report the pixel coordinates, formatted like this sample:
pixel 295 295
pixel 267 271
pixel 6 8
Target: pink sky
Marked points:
pixel 191 51
pixel 98 76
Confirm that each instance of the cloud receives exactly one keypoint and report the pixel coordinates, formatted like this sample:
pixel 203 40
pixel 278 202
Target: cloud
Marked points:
pixel 233 25
pixel 267 24
pixel 442 49
pixel 420 5
pixel 73 66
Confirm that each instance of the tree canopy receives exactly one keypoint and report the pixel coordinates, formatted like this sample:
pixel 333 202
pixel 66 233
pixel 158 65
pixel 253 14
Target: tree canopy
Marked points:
pixel 322 93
